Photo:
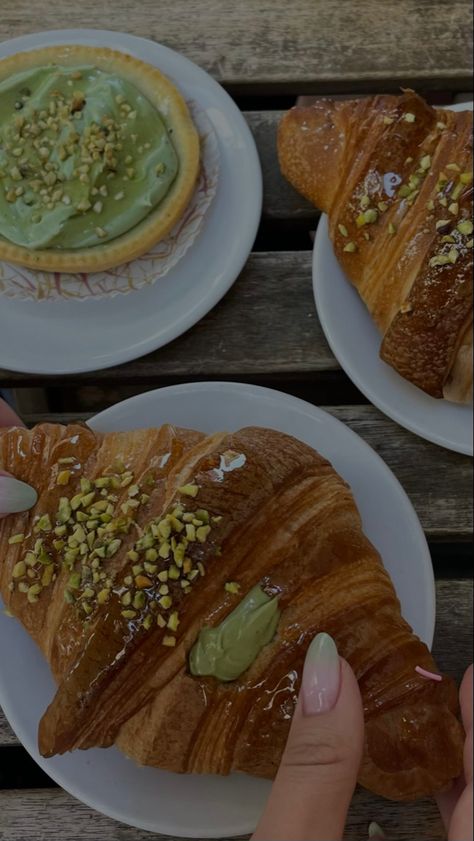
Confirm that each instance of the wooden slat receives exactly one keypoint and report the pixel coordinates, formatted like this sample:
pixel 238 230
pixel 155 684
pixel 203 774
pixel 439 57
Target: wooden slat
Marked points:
pixel 444 507
pixel 307 45
pixel 452 645
pixel 39 814
pixel 266 323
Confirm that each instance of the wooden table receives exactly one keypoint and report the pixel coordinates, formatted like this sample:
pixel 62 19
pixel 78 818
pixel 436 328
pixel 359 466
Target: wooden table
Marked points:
pixel 266 329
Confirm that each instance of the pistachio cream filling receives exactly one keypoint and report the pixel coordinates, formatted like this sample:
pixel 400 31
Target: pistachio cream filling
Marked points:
pixel 228 650
pixel 84 157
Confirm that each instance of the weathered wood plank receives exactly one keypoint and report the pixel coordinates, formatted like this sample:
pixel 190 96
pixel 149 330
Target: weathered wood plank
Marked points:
pixel 452 645
pixel 266 323
pixel 308 46
pixel 37 815
pixel 444 508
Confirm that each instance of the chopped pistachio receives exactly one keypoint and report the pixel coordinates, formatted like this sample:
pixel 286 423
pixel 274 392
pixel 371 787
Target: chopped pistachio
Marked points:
pixel 76 501
pixel 443 223
pixel 139 600
pixel 391 228
pixel 202 533
pixel 457 191
pixel 382 206
pixel 409 117
pixel 387 120
pixel 164 529
pixel 173 621
pixel 343 230
pixel 165 602
pixel 453 255
pixel 126 599
pixel 164 590
pixel 113 547
pixel 19 569
pixel 148 622
pixel 404 191
pixel 164 550
pixel 454 208
pixel 86 486
pixel 30 559
pixel 163 576
pixel 128 581
pixel 430 204
pixel 173 573
pixel 447 238
pixel 129 614
pixel 189 490
pixel 151 555
pixel 470 243
pixel 74 580
pixel 232 587
pixel 16 538
pixel 142 581
pixel 465 178
pixel 161 621
pixel 443 201
pixel 150 568
pixel 169 641
pixel 465 227
pixel 425 162
pixel 44 523
pixel 439 260
pixel 351 247
pixel 201 569
pixel 66 460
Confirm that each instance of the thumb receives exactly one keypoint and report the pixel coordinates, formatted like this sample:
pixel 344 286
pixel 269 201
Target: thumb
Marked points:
pixel 15 496
pixel 318 771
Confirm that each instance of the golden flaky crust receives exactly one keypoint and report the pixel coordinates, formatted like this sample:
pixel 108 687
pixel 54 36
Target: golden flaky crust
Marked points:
pixel 160 91
pixel 408 165
pixel 280 516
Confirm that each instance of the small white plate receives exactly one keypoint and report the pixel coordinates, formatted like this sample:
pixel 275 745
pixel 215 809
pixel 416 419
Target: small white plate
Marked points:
pixel 355 341
pixel 66 337
pixel 211 806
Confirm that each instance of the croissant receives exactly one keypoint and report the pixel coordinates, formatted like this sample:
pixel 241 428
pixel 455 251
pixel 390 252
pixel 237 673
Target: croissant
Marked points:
pixel 395 177
pixel 141 542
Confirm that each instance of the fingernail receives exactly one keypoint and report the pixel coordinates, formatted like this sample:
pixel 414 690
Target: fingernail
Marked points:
pixel 15 496
pixel 376 831
pixel 321 676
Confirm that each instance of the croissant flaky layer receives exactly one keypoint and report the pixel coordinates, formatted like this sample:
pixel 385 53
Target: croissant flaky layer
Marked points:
pixel 126 557
pixel 395 177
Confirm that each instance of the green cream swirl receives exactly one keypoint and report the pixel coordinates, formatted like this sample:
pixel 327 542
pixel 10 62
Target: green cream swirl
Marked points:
pixel 84 157
pixel 228 650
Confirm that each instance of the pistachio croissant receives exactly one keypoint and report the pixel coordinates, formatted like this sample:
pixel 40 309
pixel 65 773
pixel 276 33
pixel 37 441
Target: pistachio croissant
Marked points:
pixel 141 541
pixel 395 178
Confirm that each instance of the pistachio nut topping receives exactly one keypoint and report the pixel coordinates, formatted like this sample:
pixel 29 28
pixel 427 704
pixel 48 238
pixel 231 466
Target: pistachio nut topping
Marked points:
pixel 89 529
pixel 84 157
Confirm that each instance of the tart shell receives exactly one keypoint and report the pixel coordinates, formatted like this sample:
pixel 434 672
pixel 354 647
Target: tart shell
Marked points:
pixel 159 91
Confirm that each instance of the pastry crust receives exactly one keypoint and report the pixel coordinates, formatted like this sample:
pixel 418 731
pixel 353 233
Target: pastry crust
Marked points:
pixel 279 516
pixel 341 153
pixel 158 89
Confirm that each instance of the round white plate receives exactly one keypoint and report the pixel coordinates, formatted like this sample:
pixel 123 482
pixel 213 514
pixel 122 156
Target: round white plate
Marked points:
pixel 65 337
pixel 355 341
pixel 208 806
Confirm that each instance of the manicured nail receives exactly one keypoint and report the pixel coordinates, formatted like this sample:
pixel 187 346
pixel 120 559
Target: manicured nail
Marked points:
pixel 15 496
pixel 376 831
pixel 321 676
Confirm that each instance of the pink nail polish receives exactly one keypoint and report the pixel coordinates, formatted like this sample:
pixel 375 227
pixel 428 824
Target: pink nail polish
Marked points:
pixel 321 676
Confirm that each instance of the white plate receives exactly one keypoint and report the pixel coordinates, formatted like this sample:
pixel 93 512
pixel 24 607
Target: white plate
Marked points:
pixel 58 337
pixel 355 341
pixel 207 806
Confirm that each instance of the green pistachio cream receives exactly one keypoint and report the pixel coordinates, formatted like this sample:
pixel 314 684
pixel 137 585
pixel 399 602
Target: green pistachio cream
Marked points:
pixel 225 652
pixel 84 157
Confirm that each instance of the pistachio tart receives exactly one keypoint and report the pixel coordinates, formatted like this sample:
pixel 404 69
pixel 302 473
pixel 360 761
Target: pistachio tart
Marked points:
pixel 99 158
pixel 174 581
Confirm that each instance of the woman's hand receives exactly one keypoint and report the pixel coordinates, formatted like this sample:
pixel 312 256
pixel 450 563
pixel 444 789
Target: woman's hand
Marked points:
pixel 456 805
pixel 318 771
pixel 15 496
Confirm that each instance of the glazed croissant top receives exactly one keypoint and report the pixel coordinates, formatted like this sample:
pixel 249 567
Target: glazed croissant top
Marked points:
pixel 140 540
pixel 395 177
